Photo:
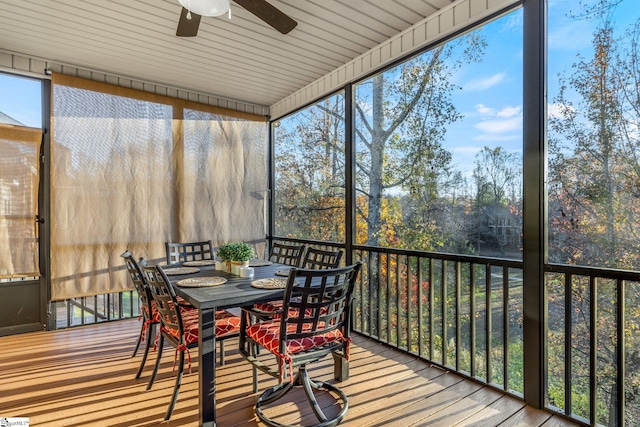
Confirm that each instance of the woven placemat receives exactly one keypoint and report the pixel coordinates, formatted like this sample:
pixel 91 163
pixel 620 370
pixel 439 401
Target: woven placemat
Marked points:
pixel 259 263
pixel 199 263
pixel 270 283
pixel 283 272
pixel 198 282
pixel 176 271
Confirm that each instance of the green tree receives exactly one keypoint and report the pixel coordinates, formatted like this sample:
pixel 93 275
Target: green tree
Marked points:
pixel 594 211
pixel 497 211
pixel 309 160
pixel 401 120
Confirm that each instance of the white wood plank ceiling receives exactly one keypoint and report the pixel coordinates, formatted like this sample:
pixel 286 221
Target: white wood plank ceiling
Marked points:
pixel 242 59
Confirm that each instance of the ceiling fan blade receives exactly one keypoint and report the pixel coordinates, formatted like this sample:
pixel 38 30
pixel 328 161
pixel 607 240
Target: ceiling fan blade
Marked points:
pixel 269 14
pixel 188 27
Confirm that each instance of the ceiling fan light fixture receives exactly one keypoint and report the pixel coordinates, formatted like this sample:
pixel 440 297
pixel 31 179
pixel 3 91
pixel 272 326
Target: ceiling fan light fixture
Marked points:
pixel 207 7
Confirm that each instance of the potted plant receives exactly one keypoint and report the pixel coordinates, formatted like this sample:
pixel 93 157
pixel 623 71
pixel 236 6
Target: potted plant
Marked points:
pixel 236 255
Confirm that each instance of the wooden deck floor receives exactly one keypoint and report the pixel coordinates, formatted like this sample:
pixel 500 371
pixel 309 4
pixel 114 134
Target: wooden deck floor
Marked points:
pixel 84 376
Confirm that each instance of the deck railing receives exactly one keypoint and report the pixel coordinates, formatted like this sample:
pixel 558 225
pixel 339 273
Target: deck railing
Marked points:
pixel 594 344
pixel 460 312
pixel 93 309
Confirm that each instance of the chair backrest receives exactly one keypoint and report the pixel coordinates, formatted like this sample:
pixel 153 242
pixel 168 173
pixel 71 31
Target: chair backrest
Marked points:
pixel 286 253
pixel 139 283
pixel 319 259
pixel 317 302
pixel 166 302
pixel 177 253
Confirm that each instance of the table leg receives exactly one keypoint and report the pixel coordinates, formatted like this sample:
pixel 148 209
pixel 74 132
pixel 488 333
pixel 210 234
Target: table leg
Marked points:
pixel 207 367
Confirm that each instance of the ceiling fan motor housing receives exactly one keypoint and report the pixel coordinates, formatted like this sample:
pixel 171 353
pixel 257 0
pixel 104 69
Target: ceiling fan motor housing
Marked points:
pixel 206 7
pixel 193 10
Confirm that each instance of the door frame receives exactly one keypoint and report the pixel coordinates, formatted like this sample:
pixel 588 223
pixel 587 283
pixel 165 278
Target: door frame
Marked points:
pixel 41 285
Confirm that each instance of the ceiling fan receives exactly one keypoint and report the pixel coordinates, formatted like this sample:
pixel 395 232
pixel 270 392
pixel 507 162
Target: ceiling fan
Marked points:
pixel 193 10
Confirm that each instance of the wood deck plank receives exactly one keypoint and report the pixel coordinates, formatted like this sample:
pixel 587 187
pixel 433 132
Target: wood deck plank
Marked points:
pixel 527 416
pixel 445 398
pixel 85 376
pixel 494 414
pixel 461 409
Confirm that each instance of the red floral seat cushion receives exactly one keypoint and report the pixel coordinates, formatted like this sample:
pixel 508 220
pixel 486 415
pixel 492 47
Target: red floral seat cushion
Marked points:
pixel 268 307
pixel 271 306
pixel 226 323
pixel 155 318
pixel 274 308
pixel 184 303
pixel 267 335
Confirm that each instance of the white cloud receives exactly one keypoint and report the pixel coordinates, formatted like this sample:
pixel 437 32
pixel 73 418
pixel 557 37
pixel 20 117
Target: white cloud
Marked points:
pixel 500 126
pixel 507 112
pixel 555 110
pixel 486 83
pixel 496 125
pixel 483 109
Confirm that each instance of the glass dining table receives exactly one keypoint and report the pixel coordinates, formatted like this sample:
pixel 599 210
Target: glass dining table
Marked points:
pixel 235 292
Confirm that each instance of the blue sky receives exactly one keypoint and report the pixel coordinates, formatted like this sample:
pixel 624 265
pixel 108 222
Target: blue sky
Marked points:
pixel 490 100
pixel 20 99
pixel 491 96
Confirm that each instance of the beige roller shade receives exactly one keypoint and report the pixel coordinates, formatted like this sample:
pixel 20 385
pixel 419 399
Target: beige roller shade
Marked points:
pixel 132 170
pixel 19 175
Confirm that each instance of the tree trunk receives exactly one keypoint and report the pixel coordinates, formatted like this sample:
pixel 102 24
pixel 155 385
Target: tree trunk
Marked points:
pixel 377 163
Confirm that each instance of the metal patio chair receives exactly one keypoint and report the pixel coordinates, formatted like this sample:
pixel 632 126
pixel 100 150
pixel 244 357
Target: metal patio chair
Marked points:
pixel 179 253
pixel 148 313
pixel 180 328
pixel 314 323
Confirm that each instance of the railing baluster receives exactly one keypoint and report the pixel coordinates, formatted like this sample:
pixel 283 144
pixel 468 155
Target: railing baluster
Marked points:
pixel 472 318
pixel 505 326
pixel 420 316
pixel 458 311
pixel 371 284
pixel 396 301
pixel 431 308
pixel 378 298
pixel 620 347
pixel 568 330
pixel 120 304
pixel 593 348
pixel 407 308
pixel 398 304
pixel 366 287
pixel 363 276
pixel 443 285
pixel 388 298
pixel 488 322
pixel 69 310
